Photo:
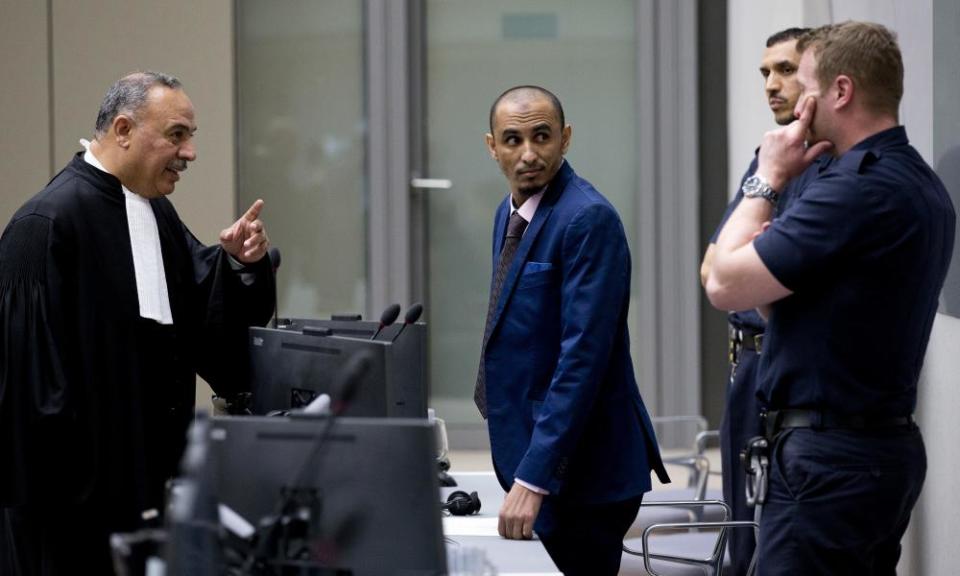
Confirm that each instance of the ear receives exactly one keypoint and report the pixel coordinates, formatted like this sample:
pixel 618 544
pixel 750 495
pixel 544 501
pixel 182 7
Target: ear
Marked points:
pixel 844 89
pixel 122 128
pixel 491 145
pixel 565 135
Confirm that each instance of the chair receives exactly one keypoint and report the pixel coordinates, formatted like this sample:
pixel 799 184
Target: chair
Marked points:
pixel 697 479
pixel 674 556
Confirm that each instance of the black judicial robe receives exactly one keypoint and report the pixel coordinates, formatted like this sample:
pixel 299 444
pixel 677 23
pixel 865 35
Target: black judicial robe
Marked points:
pixel 94 399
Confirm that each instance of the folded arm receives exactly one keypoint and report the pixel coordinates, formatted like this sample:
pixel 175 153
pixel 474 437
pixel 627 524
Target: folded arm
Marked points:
pixel 738 279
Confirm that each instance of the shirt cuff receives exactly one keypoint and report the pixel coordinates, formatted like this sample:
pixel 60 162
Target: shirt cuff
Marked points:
pixel 234 263
pixel 531 487
pixel 247 278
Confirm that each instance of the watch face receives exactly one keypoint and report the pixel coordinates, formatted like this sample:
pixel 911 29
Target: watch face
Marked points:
pixel 752 186
pixel 756 187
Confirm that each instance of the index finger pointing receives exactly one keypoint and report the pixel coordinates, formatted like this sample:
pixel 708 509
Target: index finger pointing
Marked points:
pixel 253 212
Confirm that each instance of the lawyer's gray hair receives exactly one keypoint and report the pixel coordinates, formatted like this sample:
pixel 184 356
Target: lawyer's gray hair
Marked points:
pixel 128 95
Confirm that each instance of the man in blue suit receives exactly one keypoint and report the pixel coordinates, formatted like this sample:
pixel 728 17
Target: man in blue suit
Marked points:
pixel 571 440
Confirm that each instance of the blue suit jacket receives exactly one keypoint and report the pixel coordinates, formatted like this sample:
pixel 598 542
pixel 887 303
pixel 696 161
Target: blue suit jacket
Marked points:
pixel 563 406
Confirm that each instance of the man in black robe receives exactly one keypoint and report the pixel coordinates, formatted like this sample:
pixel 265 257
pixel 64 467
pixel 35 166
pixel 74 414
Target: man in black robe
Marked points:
pixel 109 307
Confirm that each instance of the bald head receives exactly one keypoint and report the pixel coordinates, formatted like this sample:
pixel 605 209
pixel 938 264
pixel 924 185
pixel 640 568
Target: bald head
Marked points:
pixel 526 93
pixel 528 138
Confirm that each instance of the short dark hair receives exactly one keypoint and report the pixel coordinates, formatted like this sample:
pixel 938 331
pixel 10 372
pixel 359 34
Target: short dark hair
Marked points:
pixel 128 95
pixel 509 92
pixel 784 35
pixel 866 52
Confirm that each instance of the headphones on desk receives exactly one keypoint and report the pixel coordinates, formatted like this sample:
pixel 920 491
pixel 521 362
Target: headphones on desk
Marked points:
pixel 459 503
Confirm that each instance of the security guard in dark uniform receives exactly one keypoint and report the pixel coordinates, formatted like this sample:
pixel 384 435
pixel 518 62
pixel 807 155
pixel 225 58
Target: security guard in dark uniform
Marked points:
pixel 848 276
pixel 741 419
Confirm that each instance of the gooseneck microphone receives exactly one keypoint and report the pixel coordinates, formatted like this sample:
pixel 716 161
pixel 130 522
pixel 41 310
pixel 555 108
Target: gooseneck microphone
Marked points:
pixel 412 315
pixel 298 509
pixel 192 542
pixel 274 255
pixel 388 317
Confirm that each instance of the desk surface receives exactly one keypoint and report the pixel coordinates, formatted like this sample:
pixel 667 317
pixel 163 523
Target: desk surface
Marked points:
pixel 509 557
pixel 528 557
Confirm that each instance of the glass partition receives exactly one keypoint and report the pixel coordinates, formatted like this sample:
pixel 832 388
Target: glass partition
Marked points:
pixel 301 132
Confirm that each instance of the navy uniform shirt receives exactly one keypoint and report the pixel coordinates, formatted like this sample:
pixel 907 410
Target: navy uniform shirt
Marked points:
pixel 750 319
pixel 864 250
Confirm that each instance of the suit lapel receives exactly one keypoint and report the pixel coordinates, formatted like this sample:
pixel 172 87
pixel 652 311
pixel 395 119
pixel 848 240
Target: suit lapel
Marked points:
pixel 500 231
pixel 529 237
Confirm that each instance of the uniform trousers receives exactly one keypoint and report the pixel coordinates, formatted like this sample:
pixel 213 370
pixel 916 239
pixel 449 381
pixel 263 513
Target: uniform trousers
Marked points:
pixel 839 500
pixel 741 422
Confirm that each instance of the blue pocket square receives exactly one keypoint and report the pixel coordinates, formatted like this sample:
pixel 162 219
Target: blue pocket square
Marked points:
pixel 533 267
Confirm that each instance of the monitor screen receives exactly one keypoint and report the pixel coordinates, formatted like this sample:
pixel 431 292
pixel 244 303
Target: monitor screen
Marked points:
pixel 371 489
pixel 301 359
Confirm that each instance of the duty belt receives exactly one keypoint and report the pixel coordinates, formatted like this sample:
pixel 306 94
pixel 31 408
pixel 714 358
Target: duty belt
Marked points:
pixel 744 339
pixel 776 420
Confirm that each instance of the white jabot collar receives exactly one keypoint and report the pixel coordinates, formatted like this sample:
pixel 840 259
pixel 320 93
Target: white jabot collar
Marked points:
pixel 145 244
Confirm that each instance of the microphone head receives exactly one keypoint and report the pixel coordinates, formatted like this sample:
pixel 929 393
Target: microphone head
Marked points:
pixel 413 313
pixel 348 381
pixel 389 315
pixel 274 254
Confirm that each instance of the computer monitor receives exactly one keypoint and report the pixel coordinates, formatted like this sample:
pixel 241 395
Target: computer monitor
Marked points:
pixel 377 503
pixel 301 358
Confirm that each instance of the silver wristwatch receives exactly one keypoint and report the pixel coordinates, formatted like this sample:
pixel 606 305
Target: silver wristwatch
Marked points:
pixel 756 187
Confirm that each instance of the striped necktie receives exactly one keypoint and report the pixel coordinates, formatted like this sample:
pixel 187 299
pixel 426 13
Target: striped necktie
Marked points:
pixel 515 229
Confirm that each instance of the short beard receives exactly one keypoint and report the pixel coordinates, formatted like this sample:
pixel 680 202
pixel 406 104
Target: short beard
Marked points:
pixel 785 121
pixel 528 191
pixel 525 193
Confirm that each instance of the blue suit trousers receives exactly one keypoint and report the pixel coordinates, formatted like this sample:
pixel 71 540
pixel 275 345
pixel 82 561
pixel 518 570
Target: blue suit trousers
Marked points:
pixel 585 539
